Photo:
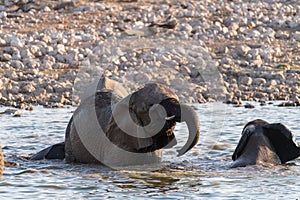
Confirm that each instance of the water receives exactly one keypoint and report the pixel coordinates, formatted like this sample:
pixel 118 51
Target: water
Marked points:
pixel 200 174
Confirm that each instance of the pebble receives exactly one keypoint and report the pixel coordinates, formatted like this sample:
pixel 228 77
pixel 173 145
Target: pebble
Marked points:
pixel 250 49
pixel 13 112
pixel 249 105
pixel 246 80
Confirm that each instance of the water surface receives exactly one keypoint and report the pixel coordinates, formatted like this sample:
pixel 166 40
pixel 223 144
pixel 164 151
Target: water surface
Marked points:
pixel 200 174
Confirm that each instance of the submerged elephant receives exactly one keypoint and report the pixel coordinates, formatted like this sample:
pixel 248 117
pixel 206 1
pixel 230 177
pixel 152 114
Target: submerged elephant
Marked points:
pixel 117 129
pixel 264 143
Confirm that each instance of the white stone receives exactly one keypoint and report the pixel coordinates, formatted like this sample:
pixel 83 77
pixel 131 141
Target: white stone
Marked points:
pixel 184 27
pixel 5 57
pixel 16 55
pixel 242 50
pixel 60 48
pixel 35 50
pixel 272 83
pixel 2 42
pixel 3 15
pixel 25 53
pixel 296 36
pixel 16 42
pixel 259 81
pixel 17 64
pixel 246 80
pixel 2 8
pixel 46 9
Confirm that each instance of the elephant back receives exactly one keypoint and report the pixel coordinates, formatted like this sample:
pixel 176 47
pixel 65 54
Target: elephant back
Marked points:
pixel 116 88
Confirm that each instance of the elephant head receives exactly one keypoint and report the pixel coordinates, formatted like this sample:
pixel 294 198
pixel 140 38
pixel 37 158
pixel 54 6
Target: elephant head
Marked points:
pixel 145 120
pixel 262 142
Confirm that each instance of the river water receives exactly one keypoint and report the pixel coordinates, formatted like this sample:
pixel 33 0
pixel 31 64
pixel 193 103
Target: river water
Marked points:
pixel 202 173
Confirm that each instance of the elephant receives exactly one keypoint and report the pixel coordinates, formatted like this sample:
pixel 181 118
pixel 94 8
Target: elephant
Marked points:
pixel 1 162
pixel 265 143
pixel 115 128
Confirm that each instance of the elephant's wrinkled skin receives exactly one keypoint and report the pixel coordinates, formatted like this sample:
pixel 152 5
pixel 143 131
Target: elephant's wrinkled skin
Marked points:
pixel 264 143
pixel 117 129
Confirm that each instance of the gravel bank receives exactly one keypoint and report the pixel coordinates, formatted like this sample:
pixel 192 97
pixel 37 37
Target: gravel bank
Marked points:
pixel 205 51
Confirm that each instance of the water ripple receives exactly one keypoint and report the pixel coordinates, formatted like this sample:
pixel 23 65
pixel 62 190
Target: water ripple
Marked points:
pixel 202 173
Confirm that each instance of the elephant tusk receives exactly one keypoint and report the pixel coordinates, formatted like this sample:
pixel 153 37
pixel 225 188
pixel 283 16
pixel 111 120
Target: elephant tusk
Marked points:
pixel 170 118
pixel 190 117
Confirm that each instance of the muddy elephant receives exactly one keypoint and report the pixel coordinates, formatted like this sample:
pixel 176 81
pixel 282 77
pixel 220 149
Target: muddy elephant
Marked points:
pixel 264 143
pixel 115 128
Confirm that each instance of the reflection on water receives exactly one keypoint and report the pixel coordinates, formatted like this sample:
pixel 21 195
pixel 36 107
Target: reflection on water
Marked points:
pixel 202 173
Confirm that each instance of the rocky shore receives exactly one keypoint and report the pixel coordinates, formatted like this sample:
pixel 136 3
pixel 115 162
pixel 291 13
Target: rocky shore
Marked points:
pixel 205 51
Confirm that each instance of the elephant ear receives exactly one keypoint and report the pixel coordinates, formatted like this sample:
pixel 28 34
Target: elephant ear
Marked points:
pixel 56 151
pixel 283 141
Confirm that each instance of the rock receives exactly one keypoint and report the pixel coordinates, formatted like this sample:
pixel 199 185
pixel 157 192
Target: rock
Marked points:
pixel 28 88
pixel 237 101
pixel 19 106
pixel 25 53
pixel 296 36
pixel 260 95
pixel 287 104
pixel 64 5
pixel 242 50
pixel 60 49
pixel 12 75
pixel 16 42
pixel 263 103
pixel 259 81
pixel 10 112
pixel 165 45
pixel 16 55
pixel 249 105
pixel 15 89
pixel 35 50
pixel 17 64
pixel 46 9
pixel 272 83
pixel 5 57
pixel 2 42
pixel 246 80
pixel 182 27
pixel 2 8
pixel 254 34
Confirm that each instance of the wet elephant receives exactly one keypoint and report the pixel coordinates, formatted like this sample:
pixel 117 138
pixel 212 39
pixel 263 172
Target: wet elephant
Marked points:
pixel 116 128
pixel 264 143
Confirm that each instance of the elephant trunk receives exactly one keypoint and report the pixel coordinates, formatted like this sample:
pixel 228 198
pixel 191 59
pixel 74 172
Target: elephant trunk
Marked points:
pixel 185 113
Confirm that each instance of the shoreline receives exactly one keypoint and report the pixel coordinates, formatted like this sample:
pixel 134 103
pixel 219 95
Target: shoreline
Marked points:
pixel 204 51
pixel 18 112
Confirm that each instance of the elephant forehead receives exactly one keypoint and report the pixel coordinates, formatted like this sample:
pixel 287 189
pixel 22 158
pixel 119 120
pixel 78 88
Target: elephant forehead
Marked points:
pixel 156 91
pixel 254 125
pixel 250 128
